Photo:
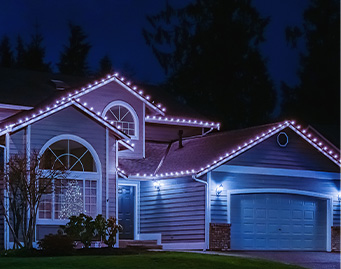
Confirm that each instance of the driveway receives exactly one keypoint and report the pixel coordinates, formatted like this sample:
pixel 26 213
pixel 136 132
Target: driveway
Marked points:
pixel 313 260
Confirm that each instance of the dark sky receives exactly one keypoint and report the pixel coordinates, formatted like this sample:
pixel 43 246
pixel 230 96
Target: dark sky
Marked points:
pixel 114 28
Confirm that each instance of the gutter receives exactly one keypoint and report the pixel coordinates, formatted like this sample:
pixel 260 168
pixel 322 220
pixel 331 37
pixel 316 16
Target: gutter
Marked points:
pixel 207 211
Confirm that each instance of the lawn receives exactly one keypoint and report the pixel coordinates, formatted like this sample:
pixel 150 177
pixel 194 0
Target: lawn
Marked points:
pixel 147 260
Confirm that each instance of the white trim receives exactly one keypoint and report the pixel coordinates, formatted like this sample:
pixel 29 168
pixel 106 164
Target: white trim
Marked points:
pixel 130 109
pixel 276 172
pixel 139 97
pixel 314 145
pixel 265 135
pixel 106 173
pixel 329 199
pixel 182 122
pixel 144 131
pixel 12 127
pixel 6 236
pixel 136 200
pixel 81 175
pixel 208 216
pixel 192 246
pixel 15 107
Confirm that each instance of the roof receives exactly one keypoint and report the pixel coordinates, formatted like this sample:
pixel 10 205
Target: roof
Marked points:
pixel 31 88
pixel 218 149
pixel 25 118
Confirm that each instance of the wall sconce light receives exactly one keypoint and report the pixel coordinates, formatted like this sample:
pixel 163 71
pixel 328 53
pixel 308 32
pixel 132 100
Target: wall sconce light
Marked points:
pixel 219 189
pixel 157 185
pixel 339 196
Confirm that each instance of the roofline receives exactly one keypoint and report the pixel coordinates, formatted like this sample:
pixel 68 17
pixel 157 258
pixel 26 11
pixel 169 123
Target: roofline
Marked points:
pixel 62 105
pixel 126 85
pixel 15 107
pixel 182 122
pixel 335 158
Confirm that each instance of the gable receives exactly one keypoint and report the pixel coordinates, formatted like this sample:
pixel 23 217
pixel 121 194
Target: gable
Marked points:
pixel 68 121
pixel 297 154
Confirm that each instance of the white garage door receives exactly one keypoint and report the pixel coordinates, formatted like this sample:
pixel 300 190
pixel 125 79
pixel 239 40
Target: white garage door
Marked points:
pixel 272 221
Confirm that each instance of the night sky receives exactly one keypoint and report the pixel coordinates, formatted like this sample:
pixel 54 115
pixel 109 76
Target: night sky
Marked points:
pixel 114 27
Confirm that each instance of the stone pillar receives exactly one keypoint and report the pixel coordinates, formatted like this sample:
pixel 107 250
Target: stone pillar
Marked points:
pixel 220 236
pixel 335 238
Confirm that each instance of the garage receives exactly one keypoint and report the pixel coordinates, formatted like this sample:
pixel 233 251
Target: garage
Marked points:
pixel 275 221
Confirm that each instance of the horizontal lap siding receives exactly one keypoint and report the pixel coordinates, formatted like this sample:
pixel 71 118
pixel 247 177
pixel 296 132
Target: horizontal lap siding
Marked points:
pixel 72 121
pixel 234 181
pixel 2 228
pixel 298 154
pixel 177 211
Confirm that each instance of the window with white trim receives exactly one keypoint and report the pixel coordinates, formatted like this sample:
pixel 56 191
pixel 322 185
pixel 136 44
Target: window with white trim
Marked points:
pixel 78 192
pixel 122 117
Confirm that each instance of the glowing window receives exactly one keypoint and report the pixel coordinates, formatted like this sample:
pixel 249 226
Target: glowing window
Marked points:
pixel 123 117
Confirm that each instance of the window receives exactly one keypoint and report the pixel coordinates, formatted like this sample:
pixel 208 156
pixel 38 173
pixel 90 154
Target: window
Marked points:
pixel 78 192
pixel 123 117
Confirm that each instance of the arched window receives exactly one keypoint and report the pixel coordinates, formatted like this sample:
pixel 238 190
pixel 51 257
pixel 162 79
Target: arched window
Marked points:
pixel 78 192
pixel 123 116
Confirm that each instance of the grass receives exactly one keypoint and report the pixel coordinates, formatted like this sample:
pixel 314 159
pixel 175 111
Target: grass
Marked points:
pixel 158 260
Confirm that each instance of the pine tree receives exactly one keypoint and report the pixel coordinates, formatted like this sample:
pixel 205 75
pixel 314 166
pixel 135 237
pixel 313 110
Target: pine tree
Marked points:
pixel 72 202
pixel 73 60
pixel 34 55
pixel 6 54
pixel 210 51
pixel 317 98
pixel 105 66
pixel 21 52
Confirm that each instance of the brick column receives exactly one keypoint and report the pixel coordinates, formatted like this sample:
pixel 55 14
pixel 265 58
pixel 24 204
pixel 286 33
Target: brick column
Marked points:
pixel 220 236
pixel 335 238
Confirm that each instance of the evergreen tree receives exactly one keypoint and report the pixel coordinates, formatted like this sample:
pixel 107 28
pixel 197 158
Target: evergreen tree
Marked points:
pixel 73 60
pixel 317 98
pixel 6 54
pixel 34 55
pixel 105 66
pixel 210 50
pixel 20 51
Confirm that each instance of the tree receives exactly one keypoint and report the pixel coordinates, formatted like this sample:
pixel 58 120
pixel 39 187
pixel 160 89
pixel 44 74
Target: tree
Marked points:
pixel 317 98
pixel 105 66
pixel 6 54
pixel 21 52
pixel 34 55
pixel 24 186
pixel 210 51
pixel 73 59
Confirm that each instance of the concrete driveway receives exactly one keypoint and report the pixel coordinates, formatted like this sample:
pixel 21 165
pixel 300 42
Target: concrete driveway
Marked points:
pixel 313 260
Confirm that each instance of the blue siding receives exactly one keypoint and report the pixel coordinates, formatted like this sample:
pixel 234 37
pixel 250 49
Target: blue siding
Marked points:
pixel 234 181
pixel 177 211
pixel 298 154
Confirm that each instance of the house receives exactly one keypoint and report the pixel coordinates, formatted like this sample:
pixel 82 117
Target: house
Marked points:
pixel 177 180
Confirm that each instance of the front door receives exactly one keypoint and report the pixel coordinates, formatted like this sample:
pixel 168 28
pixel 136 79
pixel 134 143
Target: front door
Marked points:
pixel 126 208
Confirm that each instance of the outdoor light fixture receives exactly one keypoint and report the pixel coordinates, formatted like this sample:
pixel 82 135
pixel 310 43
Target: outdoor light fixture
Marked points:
pixel 219 189
pixel 157 185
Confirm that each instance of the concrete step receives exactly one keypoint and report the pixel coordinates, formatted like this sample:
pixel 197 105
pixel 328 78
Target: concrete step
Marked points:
pixel 146 244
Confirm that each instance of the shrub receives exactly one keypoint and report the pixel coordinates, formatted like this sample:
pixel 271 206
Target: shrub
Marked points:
pixel 81 228
pixel 57 244
pixel 112 228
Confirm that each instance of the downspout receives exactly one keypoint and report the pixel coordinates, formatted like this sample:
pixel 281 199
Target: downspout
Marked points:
pixel 207 234
pixel 5 201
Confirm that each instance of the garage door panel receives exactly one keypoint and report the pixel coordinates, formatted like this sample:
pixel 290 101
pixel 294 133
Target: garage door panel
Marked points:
pixel 269 221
